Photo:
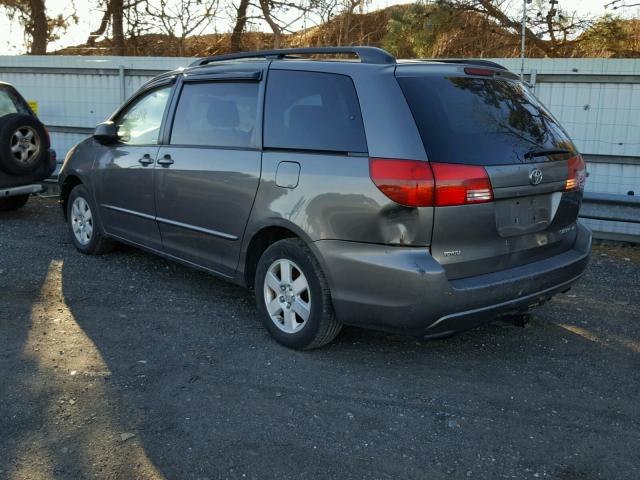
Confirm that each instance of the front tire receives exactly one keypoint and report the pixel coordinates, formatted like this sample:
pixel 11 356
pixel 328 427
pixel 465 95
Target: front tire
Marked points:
pixel 293 296
pixel 84 227
pixel 13 203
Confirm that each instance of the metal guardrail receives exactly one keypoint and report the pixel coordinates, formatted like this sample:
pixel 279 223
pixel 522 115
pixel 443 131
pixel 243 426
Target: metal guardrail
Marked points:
pixel 615 208
pixel 612 208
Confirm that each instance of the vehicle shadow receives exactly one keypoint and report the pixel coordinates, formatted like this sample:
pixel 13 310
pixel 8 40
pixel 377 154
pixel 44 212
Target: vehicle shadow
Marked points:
pixel 128 366
pixel 208 394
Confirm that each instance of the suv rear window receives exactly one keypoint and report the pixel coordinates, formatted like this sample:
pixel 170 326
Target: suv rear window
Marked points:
pixel 480 121
pixel 312 111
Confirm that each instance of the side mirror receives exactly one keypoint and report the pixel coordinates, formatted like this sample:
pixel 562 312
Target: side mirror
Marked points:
pixel 106 133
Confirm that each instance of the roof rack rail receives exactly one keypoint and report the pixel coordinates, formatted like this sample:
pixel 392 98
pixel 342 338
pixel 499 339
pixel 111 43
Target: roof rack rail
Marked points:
pixel 366 54
pixel 467 61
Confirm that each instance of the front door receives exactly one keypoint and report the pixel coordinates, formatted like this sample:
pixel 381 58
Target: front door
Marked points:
pixel 208 174
pixel 125 180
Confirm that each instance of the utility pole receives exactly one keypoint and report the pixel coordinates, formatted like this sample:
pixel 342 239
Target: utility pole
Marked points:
pixel 524 27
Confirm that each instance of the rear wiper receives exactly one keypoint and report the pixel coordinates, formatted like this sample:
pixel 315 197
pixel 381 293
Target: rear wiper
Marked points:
pixel 542 152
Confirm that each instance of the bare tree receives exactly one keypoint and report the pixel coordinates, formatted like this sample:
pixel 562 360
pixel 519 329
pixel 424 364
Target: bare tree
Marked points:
pixel 283 16
pixel 39 29
pixel 124 19
pixel 117 27
pixel 548 28
pixel 267 7
pixel 240 24
pixel 181 18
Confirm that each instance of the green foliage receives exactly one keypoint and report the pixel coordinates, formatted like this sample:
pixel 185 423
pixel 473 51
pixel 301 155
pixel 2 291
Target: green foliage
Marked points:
pixel 411 32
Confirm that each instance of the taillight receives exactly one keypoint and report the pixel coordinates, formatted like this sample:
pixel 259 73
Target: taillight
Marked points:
pixel 461 184
pixel 407 182
pixel 422 184
pixel 577 175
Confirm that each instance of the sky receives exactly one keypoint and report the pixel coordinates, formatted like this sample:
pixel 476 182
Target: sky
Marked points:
pixel 12 43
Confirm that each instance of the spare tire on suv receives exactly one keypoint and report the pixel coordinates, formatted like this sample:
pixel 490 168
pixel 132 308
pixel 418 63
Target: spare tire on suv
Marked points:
pixel 24 144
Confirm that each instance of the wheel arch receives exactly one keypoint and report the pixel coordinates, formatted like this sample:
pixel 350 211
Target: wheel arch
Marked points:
pixel 259 242
pixel 71 181
pixel 260 239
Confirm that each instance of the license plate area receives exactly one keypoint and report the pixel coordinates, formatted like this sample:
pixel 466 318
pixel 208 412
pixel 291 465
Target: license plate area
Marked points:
pixel 522 215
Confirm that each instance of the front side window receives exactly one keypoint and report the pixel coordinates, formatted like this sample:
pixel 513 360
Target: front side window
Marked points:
pixel 216 114
pixel 140 123
pixel 7 104
pixel 313 111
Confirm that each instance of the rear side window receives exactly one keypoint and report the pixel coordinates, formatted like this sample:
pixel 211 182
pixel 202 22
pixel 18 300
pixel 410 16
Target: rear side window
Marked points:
pixel 312 111
pixel 7 104
pixel 480 121
pixel 216 114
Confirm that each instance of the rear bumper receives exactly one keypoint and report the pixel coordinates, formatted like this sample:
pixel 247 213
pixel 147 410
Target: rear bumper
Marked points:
pixel 405 290
pixel 21 190
pixel 12 185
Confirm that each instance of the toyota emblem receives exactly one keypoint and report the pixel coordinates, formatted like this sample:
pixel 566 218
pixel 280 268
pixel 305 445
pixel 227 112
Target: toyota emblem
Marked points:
pixel 535 176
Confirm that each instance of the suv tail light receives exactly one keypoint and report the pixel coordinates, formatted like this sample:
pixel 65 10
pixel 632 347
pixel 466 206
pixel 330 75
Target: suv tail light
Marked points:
pixel 416 183
pixel 577 175
pixel 407 182
pixel 461 184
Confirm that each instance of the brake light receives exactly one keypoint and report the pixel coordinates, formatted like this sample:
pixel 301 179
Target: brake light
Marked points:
pixel 483 72
pixel 421 184
pixel 407 182
pixel 577 175
pixel 461 184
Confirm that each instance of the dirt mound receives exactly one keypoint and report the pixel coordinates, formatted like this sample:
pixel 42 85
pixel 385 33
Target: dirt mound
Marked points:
pixel 407 31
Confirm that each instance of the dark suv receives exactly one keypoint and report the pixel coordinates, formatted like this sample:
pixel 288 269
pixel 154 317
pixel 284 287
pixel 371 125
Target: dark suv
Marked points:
pixel 422 197
pixel 25 156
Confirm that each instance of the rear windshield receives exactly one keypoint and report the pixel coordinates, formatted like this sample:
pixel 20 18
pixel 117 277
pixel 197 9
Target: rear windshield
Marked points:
pixel 481 121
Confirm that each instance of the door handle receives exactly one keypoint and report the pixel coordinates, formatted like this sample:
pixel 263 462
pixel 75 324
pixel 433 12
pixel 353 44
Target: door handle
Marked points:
pixel 146 159
pixel 165 161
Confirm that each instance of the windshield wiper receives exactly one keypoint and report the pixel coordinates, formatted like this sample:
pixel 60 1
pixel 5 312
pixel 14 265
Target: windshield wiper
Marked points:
pixel 542 152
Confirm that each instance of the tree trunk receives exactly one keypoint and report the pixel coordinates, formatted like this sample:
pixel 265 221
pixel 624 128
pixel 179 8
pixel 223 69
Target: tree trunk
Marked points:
pixel 505 21
pixel 238 29
pixel 40 28
pixel 117 26
pixel 275 28
pixel 104 23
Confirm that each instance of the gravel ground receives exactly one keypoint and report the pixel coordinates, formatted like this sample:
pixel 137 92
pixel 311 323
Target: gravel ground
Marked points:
pixel 128 366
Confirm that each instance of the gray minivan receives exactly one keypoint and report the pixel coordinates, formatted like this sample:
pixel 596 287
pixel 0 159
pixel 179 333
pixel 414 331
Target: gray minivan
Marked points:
pixel 422 197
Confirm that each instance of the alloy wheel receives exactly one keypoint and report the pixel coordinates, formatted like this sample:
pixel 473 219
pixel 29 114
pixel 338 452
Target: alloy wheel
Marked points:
pixel 81 221
pixel 287 296
pixel 25 145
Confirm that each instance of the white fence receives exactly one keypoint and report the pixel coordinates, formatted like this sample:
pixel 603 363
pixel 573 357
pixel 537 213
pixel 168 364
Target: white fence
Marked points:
pixel 597 101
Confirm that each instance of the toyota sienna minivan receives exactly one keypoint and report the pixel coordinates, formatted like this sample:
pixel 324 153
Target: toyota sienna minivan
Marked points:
pixel 423 197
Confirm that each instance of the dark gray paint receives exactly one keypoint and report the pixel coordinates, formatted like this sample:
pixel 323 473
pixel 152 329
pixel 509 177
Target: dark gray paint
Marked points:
pixel 124 190
pixel 386 264
pixel 203 201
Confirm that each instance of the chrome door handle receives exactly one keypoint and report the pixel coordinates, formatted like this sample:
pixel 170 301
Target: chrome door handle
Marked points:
pixel 146 159
pixel 165 161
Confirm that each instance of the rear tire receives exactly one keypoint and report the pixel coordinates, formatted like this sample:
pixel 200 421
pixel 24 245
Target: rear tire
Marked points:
pixel 84 227
pixel 290 285
pixel 13 203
